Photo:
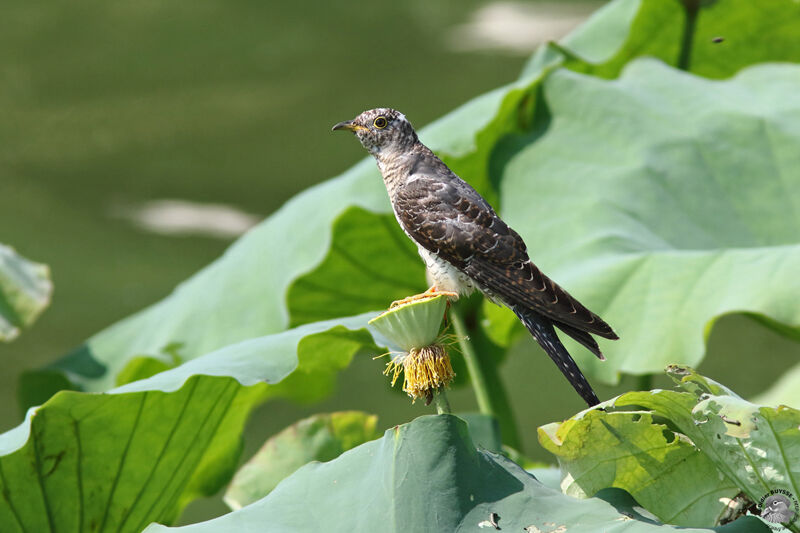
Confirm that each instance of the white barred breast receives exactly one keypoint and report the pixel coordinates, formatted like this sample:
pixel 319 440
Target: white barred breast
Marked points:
pixel 444 276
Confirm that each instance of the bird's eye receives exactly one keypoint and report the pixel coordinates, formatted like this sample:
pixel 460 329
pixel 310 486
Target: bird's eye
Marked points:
pixel 380 122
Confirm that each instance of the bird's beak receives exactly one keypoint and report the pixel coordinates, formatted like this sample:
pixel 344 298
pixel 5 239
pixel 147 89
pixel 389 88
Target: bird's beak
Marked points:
pixel 348 125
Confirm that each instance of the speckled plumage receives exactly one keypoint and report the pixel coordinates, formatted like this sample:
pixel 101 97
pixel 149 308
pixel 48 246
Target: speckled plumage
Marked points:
pixel 465 245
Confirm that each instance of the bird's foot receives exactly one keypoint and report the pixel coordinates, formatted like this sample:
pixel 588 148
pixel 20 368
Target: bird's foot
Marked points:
pixel 430 293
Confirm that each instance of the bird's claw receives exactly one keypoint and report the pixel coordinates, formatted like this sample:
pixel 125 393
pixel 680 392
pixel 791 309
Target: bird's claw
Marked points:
pixel 430 293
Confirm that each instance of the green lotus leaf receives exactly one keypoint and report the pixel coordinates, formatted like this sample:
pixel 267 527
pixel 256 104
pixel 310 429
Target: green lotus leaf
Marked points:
pixel 723 37
pixel 786 391
pixel 141 452
pixel 484 431
pixel 25 291
pixel 371 263
pixel 242 294
pixel 427 475
pixel 324 437
pixel 317 438
pixel 654 196
pixel 547 196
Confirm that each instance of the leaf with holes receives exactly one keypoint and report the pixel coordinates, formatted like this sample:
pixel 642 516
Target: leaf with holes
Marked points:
pixel 662 470
pixel 757 447
pixel 694 456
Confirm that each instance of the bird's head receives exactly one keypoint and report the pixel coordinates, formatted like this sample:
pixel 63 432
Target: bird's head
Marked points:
pixel 777 505
pixel 381 130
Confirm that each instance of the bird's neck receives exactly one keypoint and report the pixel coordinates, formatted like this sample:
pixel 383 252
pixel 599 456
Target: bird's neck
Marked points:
pixel 396 164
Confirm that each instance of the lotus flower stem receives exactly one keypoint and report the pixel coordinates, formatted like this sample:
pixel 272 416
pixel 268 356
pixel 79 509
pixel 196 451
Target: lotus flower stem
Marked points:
pixel 440 399
pixel 473 365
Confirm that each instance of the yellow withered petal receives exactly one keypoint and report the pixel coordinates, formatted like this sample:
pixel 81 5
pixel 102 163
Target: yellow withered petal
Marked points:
pixel 424 369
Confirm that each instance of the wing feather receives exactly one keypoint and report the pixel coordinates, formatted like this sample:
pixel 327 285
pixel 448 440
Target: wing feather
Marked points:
pixel 449 218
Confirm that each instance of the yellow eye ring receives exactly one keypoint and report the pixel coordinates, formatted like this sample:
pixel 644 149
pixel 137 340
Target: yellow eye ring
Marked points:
pixel 380 122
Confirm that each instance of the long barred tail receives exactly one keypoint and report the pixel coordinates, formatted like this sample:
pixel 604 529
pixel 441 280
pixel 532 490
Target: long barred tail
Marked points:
pixel 542 330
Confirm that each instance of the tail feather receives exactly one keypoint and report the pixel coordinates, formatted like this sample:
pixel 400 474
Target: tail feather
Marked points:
pixel 582 337
pixel 545 334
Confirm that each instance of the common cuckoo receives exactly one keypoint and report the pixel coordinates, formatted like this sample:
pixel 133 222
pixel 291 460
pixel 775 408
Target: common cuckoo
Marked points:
pixel 466 246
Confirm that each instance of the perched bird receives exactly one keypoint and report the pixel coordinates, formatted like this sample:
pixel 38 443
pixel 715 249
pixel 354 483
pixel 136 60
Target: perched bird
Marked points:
pixel 466 246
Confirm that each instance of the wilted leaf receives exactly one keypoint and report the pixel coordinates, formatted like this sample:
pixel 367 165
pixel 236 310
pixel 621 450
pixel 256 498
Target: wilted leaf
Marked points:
pixel 25 290
pixel 663 471
pixel 685 455
pixel 428 476
pixel 757 447
pixel 317 438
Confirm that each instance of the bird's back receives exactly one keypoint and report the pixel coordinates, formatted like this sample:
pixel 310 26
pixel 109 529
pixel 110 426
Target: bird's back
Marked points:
pixel 446 216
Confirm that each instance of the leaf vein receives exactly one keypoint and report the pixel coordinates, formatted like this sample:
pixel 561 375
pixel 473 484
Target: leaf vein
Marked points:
pixel 7 498
pixel 153 469
pixel 190 472
pixel 121 465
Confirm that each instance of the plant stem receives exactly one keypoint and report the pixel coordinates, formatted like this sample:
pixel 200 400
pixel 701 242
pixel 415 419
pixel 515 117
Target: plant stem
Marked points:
pixel 473 365
pixel 692 8
pixel 482 368
pixel 440 399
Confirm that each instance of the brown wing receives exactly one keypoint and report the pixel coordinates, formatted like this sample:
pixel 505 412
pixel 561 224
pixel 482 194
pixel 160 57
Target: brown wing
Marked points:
pixel 449 218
